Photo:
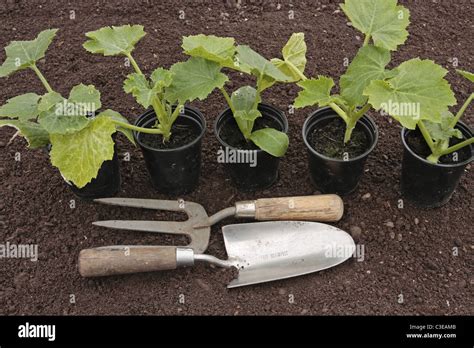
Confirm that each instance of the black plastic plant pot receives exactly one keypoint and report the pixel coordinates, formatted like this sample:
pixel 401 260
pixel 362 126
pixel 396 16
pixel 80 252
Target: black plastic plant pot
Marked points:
pixel 430 185
pixel 106 184
pixel 332 175
pixel 174 167
pixel 249 167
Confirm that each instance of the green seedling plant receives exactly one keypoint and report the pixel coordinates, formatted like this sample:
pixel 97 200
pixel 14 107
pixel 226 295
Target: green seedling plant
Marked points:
pixel 80 138
pixel 165 90
pixel 411 93
pixel 244 101
pixel 438 135
pixel 384 24
pixel 438 126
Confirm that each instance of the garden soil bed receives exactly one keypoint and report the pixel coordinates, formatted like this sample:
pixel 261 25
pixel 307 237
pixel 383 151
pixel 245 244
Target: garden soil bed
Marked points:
pixel 408 251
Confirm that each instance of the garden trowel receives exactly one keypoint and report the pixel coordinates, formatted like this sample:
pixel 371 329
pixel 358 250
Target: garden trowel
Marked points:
pixel 261 252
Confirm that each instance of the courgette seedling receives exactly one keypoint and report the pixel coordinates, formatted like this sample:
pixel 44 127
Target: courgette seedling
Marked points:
pixel 244 101
pixel 80 139
pixel 438 135
pixel 384 24
pixel 166 90
pixel 422 83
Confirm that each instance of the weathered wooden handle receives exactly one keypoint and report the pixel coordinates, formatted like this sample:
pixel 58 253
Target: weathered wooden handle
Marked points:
pixel 309 208
pixel 123 259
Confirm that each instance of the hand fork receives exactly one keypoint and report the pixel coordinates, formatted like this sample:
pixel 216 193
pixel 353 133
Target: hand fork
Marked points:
pixel 197 227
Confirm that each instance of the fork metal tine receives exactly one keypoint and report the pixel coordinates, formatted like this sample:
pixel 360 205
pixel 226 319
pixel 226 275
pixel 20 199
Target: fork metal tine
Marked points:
pixel 157 204
pixel 171 227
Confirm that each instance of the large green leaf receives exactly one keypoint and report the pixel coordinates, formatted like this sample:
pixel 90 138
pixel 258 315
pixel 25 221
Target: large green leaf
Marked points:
pixel 369 64
pixel 70 115
pixel 62 119
pixel 468 75
pixel 80 155
pixel 382 20
pixel 258 65
pixel 217 49
pixel 417 91
pixel 316 91
pixel 194 79
pixel 34 134
pixel 139 87
pixel 24 54
pixel 114 115
pixel 443 130
pixel 294 57
pixel 111 41
pixel 245 102
pixel 23 107
pixel 271 141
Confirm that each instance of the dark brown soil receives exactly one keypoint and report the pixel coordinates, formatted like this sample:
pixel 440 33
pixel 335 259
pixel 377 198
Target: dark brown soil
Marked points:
pixel 231 134
pixel 417 143
pixel 183 132
pixel 410 264
pixel 328 140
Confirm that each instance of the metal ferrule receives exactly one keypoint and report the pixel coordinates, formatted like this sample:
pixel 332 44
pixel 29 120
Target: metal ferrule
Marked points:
pixel 245 209
pixel 184 257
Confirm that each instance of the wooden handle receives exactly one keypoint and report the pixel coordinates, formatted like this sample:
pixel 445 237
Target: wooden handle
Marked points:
pixel 123 259
pixel 309 208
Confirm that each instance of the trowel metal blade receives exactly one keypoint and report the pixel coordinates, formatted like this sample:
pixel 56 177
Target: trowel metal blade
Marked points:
pixel 267 251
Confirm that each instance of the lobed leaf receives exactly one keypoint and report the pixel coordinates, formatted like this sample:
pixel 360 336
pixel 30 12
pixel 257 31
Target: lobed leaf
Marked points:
pixel 112 41
pixel 258 65
pixel 315 91
pixel 86 96
pixel 383 20
pixel 57 120
pixel 417 91
pixel 194 79
pixel 67 116
pixel 24 54
pixel 34 134
pixel 161 78
pixel 139 87
pixel 294 57
pixel 23 107
pixel 369 64
pixel 271 141
pixel 49 100
pixel 80 155
pixel 217 49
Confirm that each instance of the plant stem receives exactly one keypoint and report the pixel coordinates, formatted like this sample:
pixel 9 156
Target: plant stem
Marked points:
pixel 462 110
pixel 300 74
pixel 159 109
pixel 426 136
pixel 367 40
pixel 353 118
pixel 457 146
pixel 134 64
pixel 42 78
pixel 176 113
pixel 362 111
pixel 227 99
pixel 138 129
pixel 339 111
